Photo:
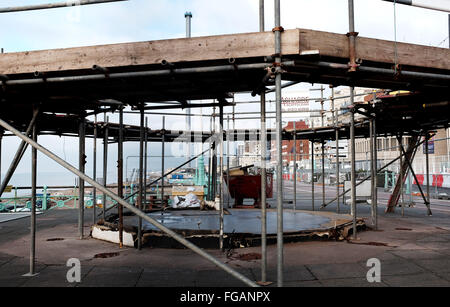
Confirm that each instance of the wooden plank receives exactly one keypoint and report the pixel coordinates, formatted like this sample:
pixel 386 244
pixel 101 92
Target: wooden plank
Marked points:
pixel 151 52
pixel 376 50
pixel 294 42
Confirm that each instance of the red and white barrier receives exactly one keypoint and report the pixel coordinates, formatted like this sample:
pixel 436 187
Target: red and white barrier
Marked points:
pixel 441 181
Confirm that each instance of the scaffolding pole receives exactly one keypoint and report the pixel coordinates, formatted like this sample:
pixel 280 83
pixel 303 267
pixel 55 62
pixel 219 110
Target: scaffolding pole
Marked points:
pixel 105 164
pixel 374 167
pixel 82 163
pixel 94 174
pixel 134 210
pixel 120 175
pixel 33 205
pixel 54 5
pixel 263 146
pixel 221 178
pixel 277 30
pixel 295 165
pixel 19 153
pixel 141 175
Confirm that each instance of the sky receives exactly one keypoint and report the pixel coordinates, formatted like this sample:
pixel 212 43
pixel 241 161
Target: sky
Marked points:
pixel 143 20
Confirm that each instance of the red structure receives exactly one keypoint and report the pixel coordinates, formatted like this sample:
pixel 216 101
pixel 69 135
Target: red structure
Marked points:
pixel 249 186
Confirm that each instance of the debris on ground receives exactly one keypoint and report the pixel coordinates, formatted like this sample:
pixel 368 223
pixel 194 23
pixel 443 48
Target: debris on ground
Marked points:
pixel 189 201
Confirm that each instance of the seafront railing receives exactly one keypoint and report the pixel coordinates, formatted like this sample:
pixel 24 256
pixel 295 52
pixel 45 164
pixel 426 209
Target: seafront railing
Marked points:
pixel 48 200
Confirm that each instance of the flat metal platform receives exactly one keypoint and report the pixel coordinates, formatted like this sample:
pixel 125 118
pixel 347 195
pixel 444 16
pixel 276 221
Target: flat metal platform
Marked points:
pixel 242 220
pixel 242 227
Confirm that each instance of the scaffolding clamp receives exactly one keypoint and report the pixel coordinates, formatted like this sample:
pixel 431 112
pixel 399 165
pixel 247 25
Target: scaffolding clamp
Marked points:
pixel 281 29
pixel 397 70
pixel 352 51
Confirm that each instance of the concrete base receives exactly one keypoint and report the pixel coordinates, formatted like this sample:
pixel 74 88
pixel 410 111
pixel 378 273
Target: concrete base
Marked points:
pixel 30 275
pixel 102 233
pixel 242 227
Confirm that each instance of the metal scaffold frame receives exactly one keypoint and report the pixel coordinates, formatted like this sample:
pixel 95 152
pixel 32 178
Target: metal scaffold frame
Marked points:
pixel 272 69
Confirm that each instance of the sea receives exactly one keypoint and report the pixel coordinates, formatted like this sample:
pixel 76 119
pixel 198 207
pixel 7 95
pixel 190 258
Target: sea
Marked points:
pixel 66 178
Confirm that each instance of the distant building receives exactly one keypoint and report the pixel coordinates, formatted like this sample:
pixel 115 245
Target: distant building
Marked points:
pixel 302 147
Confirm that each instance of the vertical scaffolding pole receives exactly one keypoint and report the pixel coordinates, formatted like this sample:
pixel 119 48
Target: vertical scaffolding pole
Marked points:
pixel 323 172
pixel 427 164
pixel 163 152
pixel 263 163
pixel 278 29
pixel 94 174
pixel 188 17
pixel 352 36
pixel 373 169
pixel 120 175
pixel 400 174
pixel 82 162
pixel 1 140
pixel 141 175
pixel 295 165
pixel 335 121
pixel 214 159
pixel 221 177
pixel 322 111
pixel 33 204
pixel 145 161
pixel 210 197
pixel 375 166
pixel 353 163
pixel 312 174
pixel 352 50
pixel 105 164
pixel 228 158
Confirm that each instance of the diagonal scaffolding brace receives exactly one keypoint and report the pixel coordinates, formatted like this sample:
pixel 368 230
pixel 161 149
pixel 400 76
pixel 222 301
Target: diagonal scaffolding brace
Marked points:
pixel 368 177
pixel 19 154
pixel 133 209
pixel 404 168
pixel 427 203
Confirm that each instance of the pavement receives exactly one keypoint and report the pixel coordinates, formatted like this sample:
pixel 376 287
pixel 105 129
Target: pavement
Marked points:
pixel 413 251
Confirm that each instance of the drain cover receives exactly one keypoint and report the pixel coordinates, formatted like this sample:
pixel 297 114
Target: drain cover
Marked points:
pixel 55 239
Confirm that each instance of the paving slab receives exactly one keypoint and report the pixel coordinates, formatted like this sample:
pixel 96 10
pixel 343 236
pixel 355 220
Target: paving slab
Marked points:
pixel 341 270
pixel 435 265
pixel 111 277
pixel 350 282
pixel 54 276
pixel 167 278
pixel 292 273
pixel 301 284
pixel 400 267
pixel 214 278
pixel 11 273
pixel 419 280
pixel 5 258
pixel 417 254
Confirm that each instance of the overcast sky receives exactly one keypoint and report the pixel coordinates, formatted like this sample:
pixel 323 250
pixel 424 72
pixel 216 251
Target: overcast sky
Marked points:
pixel 141 20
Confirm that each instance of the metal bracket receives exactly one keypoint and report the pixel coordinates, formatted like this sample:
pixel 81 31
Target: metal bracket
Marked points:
pixel 281 29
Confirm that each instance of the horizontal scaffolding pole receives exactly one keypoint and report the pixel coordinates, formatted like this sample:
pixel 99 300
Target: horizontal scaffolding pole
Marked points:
pixel 437 5
pixel 69 3
pixel 138 74
pixel 377 70
pixel 130 207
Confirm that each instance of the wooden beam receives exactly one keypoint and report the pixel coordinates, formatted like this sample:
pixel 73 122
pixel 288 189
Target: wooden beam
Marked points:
pixel 375 50
pixel 295 42
pixel 220 47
